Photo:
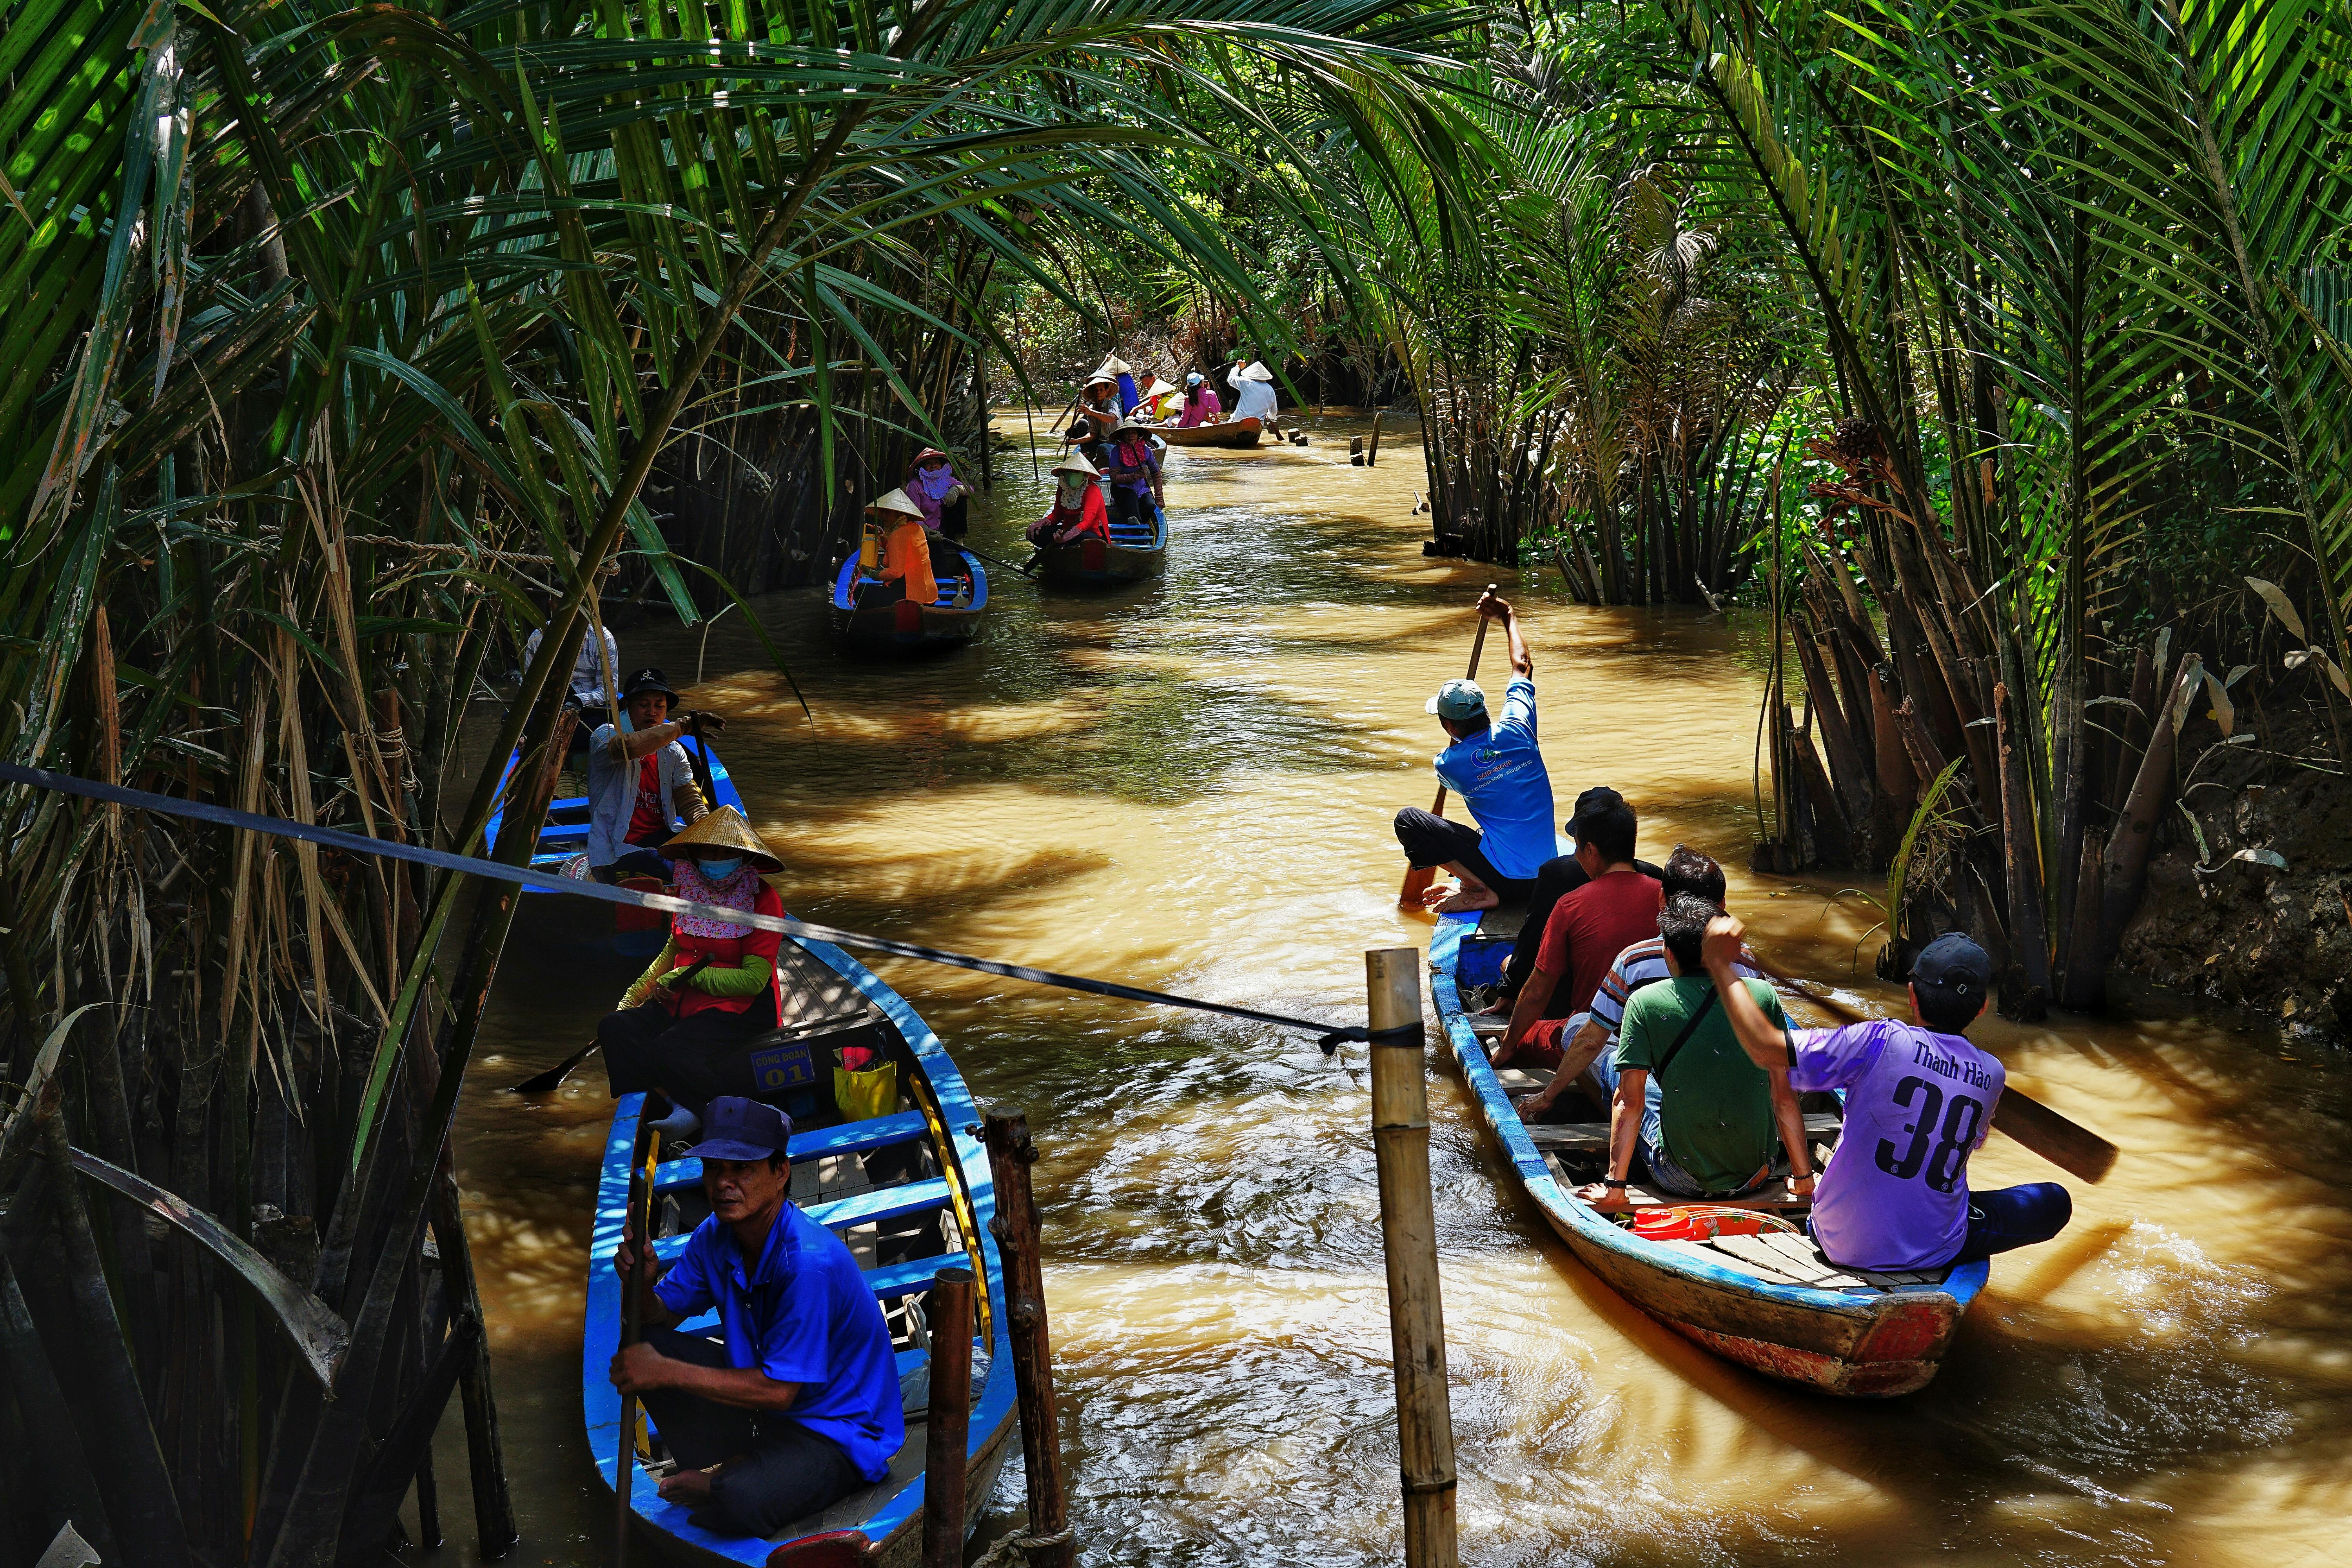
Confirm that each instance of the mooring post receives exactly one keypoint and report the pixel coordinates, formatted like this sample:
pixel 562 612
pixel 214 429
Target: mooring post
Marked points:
pixel 1011 1153
pixel 1372 447
pixel 948 1427
pixel 1409 1238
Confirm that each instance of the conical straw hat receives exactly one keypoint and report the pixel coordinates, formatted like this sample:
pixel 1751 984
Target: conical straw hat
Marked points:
pixel 896 502
pixel 1113 368
pixel 1254 371
pixel 1075 463
pixel 724 829
pixel 1159 388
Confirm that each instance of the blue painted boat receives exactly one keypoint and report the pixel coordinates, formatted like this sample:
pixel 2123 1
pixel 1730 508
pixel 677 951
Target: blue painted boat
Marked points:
pixel 900 626
pixel 1769 1301
pixel 911 1194
pixel 564 836
pixel 1135 551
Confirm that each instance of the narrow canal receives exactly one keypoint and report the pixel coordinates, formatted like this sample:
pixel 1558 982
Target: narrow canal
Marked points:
pixel 1187 787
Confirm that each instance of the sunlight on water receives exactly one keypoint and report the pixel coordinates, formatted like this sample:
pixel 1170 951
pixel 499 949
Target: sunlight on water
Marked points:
pixel 1186 786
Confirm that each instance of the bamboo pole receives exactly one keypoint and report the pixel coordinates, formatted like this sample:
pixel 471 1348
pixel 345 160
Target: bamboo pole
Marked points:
pixel 1372 446
pixel 639 1228
pixel 1409 1238
pixel 1011 1153
pixel 948 1427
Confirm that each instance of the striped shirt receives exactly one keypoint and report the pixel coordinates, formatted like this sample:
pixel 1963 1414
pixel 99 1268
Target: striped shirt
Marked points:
pixel 1644 963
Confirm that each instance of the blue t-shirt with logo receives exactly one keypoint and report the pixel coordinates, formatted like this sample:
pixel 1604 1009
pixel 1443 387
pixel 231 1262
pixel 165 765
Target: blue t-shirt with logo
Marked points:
pixel 801 1314
pixel 1500 774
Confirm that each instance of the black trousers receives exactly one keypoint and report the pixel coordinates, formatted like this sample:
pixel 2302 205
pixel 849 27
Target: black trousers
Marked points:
pixel 1130 506
pixel 782 1471
pixel 1429 839
pixel 955 517
pixel 688 1058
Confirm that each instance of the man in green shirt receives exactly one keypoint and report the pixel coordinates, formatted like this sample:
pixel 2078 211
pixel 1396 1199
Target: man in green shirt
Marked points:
pixel 1689 1100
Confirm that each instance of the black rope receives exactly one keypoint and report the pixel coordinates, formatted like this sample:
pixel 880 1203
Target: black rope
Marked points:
pixel 1330 1039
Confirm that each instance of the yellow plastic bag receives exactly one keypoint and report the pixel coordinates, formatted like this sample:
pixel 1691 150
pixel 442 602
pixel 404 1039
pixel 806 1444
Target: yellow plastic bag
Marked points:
pixel 863 1095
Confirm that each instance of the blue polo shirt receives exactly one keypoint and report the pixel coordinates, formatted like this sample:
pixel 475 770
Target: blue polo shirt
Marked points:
pixel 1500 774
pixel 801 1314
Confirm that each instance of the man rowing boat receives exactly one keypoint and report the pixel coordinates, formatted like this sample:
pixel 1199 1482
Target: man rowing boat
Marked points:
pixel 1496 768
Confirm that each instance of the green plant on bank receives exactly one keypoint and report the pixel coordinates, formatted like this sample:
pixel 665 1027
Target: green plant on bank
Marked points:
pixel 2058 257
pixel 341 346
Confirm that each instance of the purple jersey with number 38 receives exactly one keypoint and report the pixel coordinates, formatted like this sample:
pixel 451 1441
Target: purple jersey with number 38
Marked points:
pixel 1894 1194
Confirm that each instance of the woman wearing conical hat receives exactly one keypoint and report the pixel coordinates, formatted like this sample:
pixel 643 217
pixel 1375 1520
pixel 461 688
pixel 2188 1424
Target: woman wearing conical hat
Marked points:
pixel 714 985
pixel 905 567
pixel 1254 396
pixel 931 484
pixel 1078 507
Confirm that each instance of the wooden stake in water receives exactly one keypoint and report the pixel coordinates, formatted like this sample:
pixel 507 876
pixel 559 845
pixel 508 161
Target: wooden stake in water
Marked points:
pixel 1010 1155
pixel 639 1227
pixel 947 1428
pixel 1409 1238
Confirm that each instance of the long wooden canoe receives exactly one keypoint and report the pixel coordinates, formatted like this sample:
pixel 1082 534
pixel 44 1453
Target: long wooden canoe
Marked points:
pixel 911 1194
pixel 1241 434
pixel 1133 552
pixel 1768 1302
pixel 949 621
pixel 563 844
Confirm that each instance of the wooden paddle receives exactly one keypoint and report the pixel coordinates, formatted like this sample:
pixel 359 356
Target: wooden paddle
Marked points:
pixel 551 1080
pixel 2066 1144
pixel 1417 878
pixel 996 560
pixel 639 1225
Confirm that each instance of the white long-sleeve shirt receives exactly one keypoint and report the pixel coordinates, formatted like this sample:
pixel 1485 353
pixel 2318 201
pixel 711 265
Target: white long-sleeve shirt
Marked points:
pixel 587 670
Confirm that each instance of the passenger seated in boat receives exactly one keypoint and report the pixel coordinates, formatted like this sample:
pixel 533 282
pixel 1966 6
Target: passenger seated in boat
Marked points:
pixel 904 569
pixel 799 1406
pixel 1160 401
pixel 1919 1100
pixel 640 783
pixel 1098 405
pixel 1134 471
pixel 1587 930
pixel 1497 769
pixel 1254 396
pixel 1560 876
pixel 1078 511
pixel 596 668
pixel 944 500
pixel 682 1027
pixel 1638 966
pixel 1702 1116
pixel 1201 403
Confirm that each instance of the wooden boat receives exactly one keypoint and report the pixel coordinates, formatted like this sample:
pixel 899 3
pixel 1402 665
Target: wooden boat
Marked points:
pixel 1769 1303
pixel 911 1194
pixel 950 621
pixel 1133 552
pixel 564 838
pixel 1241 434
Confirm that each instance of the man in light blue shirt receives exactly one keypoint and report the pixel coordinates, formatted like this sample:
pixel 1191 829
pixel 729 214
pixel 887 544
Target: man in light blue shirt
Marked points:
pixel 1496 766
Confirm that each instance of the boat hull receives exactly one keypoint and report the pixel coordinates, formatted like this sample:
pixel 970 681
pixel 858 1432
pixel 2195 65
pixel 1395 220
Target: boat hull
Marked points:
pixel 1858 1345
pixel 902 627
pixel 1132 554
pixel 1235 435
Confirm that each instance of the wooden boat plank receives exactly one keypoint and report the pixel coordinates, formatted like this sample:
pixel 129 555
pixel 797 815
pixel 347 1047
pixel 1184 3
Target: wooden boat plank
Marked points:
pixel 1593 1136
pixel 1798 1264
pixel 847 1138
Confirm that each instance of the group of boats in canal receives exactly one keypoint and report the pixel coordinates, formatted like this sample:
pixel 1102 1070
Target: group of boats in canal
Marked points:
pixel 910 1192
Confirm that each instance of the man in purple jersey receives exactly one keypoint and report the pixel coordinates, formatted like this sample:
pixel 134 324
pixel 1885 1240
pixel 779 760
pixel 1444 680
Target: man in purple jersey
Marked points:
pixel 1919 1100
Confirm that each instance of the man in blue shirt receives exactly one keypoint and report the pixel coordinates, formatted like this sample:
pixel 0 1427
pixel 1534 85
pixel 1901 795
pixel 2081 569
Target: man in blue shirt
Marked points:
pixel 1494 765
pixel 799 1407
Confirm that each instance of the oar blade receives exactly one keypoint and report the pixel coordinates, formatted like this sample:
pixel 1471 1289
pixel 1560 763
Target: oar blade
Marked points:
pixel 2065 1144
pixel 552 1078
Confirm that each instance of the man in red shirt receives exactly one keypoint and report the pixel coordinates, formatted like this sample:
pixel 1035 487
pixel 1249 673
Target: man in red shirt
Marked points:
pixel 1588 929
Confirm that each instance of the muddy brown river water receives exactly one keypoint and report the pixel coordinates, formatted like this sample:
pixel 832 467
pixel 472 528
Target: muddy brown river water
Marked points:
pixel 1187 785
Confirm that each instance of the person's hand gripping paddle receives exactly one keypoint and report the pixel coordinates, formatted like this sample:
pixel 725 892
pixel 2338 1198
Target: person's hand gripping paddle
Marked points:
pixel 551 1080
pixel 1417 878
pixel 2065 1144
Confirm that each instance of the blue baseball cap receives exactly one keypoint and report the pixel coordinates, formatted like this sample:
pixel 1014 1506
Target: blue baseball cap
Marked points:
pixel 1457 701
pixel 1954 967
pixel 734 1127
pixel 1195 379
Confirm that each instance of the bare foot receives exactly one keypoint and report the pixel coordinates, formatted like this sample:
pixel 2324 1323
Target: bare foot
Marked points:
pixel 1500 1007
pixel 1437 893
pixel 687 1487
pixel 1463 899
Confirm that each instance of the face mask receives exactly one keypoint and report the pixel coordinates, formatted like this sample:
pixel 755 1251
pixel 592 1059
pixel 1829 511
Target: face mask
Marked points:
pixel 1074 485
pixel 715 869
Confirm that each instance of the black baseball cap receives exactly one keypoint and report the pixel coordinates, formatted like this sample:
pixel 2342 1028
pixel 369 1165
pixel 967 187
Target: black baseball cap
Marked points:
pixel 1592 802
pixel 1954 968
pixel 734 1127
pixel 647 679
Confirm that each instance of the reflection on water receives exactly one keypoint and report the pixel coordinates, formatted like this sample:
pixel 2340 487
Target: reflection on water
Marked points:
pixel 1186 786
